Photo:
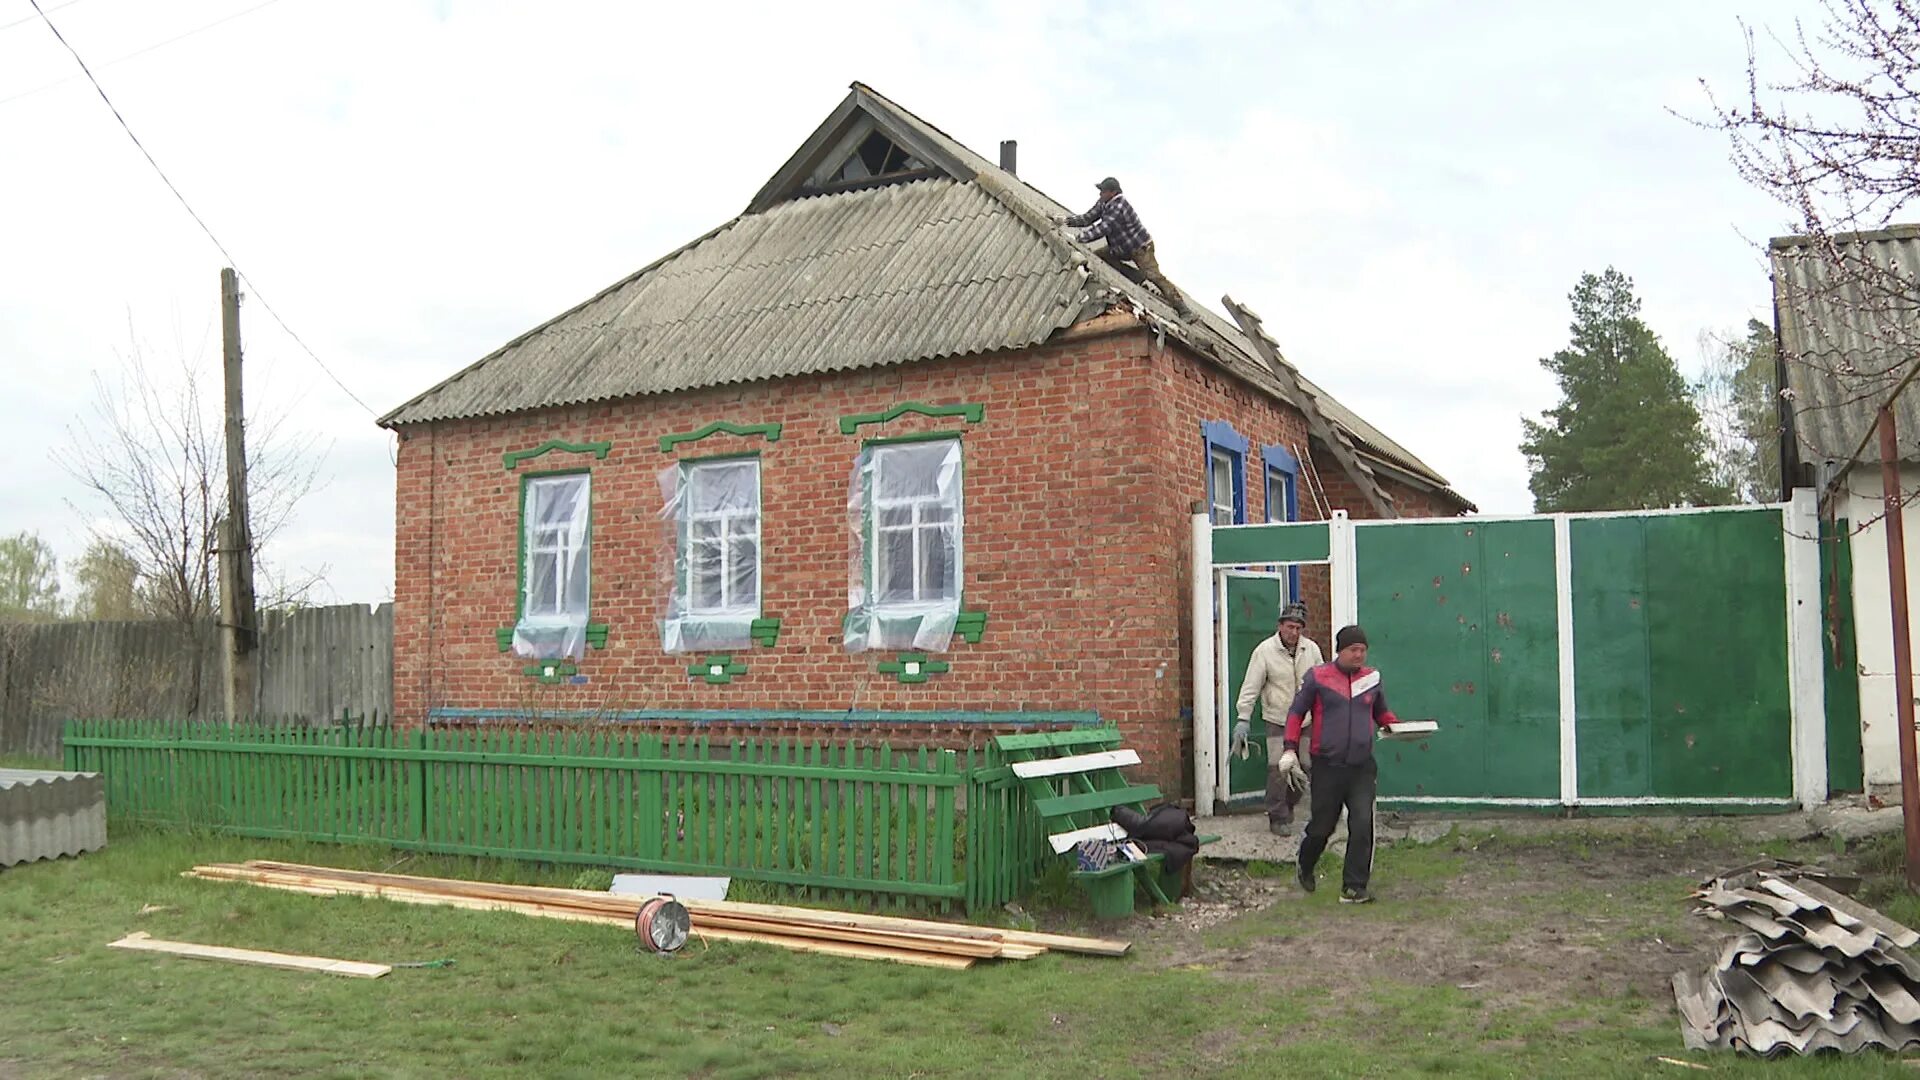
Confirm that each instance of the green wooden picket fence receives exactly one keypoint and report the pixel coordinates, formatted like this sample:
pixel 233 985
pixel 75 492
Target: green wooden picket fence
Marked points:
pixel 925 828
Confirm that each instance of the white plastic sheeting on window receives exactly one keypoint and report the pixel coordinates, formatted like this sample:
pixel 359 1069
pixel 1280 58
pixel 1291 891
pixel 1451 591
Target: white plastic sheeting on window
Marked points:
pixel 905 510
pixel 555 570
pixel 712 583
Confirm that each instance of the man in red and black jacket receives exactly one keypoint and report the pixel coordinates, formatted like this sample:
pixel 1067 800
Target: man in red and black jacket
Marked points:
pixel 1347 704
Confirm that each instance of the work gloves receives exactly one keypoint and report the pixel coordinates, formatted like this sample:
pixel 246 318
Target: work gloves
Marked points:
pixel 1239 744
pixel 1290 770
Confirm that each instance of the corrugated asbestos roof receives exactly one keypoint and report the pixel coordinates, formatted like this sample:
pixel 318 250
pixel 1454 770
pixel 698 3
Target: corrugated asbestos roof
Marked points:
pixel 1848 327
pixel 946 266
pixel 859 279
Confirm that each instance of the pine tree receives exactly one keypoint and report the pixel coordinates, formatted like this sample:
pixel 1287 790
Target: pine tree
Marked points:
pixel 1626 434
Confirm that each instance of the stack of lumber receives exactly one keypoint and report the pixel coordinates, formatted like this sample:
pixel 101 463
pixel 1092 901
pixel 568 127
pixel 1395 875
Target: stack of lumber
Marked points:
pixel 1812 970
pixel 835 933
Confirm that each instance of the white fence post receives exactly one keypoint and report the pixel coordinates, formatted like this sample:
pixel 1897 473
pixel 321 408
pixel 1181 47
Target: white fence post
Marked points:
pixel 1204 727
pixel 1342 573
pixel 1563 599
pixel 1806 662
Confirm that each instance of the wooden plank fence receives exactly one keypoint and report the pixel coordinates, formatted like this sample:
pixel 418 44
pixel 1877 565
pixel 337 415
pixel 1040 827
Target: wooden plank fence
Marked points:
pixel 929 828
pixel 315 665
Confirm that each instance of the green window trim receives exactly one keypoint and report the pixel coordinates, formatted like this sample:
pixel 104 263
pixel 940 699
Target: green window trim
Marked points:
pixel 973 413
pixel 971 625
pixel 717 670
pixel 912 667
pixel 599 450
pixel 770 430
pixel 550 672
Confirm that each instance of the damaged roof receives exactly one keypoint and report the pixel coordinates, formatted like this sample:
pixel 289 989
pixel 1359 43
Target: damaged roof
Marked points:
pixel 958 259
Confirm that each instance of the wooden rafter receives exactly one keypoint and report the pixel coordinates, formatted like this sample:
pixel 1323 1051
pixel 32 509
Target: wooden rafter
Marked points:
pixel 1317 424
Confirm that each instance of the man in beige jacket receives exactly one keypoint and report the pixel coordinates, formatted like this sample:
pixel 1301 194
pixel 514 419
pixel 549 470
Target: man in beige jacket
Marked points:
pixel 1274 673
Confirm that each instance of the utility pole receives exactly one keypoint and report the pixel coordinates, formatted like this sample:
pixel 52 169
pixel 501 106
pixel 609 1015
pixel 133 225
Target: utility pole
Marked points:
pixel 237 616
pixel 1895 527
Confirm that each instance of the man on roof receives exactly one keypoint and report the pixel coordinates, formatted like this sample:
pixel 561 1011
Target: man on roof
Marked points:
pixel 1274 673
pixel 1114 219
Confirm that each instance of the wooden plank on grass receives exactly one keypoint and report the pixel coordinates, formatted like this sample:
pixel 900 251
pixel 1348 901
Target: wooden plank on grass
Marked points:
pixel 353 969
pixel 1079 763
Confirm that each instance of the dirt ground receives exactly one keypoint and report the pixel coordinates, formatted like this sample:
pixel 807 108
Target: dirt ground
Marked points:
pixel 1512 920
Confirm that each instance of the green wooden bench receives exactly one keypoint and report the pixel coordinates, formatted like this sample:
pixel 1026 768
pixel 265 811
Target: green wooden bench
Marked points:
pixel 1075 782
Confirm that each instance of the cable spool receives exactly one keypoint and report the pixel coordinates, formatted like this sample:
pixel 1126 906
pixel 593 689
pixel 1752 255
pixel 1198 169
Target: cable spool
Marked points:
pixel 662 924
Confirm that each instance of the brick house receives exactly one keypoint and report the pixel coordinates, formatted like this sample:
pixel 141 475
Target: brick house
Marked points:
pixel 885 456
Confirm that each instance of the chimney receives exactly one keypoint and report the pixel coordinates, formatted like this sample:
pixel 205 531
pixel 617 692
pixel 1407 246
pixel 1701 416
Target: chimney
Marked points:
pixel 1009 150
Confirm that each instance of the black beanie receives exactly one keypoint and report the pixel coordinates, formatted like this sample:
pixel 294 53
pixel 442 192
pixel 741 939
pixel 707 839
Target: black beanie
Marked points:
pixel 1349 635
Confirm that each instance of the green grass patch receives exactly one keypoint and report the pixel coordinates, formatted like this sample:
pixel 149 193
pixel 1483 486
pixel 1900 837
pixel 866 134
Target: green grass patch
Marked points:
pixel 530 996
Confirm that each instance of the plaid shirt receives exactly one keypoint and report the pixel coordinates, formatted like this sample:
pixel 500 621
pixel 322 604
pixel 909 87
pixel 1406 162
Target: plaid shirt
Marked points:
pixel 1114 219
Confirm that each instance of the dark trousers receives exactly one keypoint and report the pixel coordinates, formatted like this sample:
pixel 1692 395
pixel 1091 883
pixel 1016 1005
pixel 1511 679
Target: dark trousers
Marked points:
pixel 1338 787
pixel 1282 797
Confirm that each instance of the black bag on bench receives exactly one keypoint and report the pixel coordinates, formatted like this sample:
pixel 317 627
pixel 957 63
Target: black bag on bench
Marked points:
pixel 1166 829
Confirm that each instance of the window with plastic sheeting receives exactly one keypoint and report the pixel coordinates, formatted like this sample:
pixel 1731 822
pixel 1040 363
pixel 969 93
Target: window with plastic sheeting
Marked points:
pixel 555 565
pixel 723 538
pixel 713 509
pixel 908 508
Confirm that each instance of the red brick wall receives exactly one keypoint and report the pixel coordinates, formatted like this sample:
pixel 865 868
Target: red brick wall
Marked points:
pixel 1077 486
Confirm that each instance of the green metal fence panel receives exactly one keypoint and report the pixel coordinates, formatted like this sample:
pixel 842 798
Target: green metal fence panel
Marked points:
pixel 1845 764
pixel 840 821
pixel 1273 543
pixel 1462 620
pixel 1676 695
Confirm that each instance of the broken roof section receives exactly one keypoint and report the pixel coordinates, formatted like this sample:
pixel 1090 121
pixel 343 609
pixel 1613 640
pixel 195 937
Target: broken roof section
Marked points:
pixel 859 252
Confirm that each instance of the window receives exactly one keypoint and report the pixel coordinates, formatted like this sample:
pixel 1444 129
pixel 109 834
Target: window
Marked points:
pixel 1283 483
pixel 1283 498
pixel 1226 473
pixel 915 523
pixel 557 557
pixel 877 155
pixel 1220 485
pixel 555 565
pixel 723 538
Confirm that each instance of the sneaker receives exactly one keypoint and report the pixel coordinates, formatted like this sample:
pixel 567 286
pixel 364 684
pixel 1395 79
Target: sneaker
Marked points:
pixel 1355 896
pixel 1280 828
pixel 1305 878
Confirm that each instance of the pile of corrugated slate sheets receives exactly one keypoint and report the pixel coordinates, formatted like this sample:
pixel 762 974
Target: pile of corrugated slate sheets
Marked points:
pixel 45 814
pixel 1812 970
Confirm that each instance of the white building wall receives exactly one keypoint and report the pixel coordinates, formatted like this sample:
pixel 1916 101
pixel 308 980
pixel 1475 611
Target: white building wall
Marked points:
pixel 1873 616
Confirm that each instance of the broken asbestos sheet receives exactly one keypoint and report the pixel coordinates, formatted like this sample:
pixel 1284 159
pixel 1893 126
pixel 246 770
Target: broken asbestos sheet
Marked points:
pixel 1811 969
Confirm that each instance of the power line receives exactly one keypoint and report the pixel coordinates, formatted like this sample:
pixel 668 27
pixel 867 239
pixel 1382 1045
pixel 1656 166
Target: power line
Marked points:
pixel 136 52
pixel 36 7
pixel 231 261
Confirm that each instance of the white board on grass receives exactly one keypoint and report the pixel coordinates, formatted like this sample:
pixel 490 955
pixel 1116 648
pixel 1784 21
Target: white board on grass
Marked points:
pixel 681 887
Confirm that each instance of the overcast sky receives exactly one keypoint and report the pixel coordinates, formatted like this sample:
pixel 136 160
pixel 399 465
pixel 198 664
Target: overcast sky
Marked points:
pixel 1406 192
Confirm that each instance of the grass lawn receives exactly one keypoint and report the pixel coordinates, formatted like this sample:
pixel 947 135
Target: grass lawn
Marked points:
pixel 1487 956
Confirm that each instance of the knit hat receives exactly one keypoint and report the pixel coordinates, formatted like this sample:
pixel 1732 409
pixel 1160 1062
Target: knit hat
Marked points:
pixel 1295 612
pixel 1349 635
pixel 1109 184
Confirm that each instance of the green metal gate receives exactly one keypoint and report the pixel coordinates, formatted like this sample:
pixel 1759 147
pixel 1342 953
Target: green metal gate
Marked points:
pixel 1462 622
pixel 1616 660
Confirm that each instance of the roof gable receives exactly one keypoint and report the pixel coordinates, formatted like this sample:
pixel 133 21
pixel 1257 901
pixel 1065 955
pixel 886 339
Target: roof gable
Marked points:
pixel 816 167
